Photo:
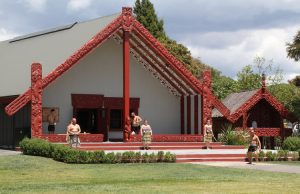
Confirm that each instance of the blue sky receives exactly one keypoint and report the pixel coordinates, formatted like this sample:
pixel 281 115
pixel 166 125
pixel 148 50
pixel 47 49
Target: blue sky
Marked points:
pixel 224 34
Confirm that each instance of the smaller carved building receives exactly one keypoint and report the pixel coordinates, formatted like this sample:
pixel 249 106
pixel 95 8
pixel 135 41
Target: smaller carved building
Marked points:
pixel 258 109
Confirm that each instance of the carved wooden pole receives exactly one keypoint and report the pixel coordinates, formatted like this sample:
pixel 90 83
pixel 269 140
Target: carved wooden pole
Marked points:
pixel 127 27
pixel 36 100
pixel 206 103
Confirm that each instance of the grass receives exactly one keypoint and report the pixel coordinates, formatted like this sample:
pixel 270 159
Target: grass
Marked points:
pixel 28 174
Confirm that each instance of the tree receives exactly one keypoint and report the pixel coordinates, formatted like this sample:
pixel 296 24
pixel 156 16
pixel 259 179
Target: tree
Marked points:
pixel 293 49
pixel 145 14
pixel 289 95
pixel 250 76
pixel 223 86
pixel 247 79
pixel 295 81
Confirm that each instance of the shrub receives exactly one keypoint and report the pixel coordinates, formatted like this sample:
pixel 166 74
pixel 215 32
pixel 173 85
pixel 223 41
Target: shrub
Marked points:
pixel 118 157
pixel 270 156
pixel 152 158
pixel 231 137
pixel 282 155
pixel 110 158
pixel 36 147
pixel 128 157
pixel 145 158
pixel 261 155
pixel 291 143
pixel 59 152
pixel 138 157
pixel 169 157
pixel 99 156
pixel 160 156
pixel 295 156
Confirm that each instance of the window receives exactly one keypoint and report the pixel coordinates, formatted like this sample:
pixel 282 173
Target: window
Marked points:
pixel 116 119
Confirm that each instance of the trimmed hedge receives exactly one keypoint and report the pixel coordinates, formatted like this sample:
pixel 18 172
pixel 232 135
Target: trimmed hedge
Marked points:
pixel 280 155
pixel 62 153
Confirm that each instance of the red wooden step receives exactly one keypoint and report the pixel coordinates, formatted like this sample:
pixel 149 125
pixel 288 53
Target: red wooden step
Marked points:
pixel 233 159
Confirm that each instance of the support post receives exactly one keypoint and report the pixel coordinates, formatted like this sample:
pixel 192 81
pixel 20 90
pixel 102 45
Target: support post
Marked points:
pixel 182 114
pixel 127 26
pixel 36 100
pixel 244 120
pixel 188 130
pixel 196 115
pixel 282 129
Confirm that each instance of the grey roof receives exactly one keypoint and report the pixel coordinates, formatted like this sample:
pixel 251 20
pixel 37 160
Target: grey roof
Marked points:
pixel 49 47
pixel 234 101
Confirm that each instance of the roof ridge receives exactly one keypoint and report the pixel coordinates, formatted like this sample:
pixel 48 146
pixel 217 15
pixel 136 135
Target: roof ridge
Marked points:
pixel 55 29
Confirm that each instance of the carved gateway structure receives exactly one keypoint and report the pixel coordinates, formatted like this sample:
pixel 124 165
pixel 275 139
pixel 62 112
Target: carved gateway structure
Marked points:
pixel 99 71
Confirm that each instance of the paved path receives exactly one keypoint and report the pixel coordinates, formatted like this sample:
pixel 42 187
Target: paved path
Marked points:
pixel 8 152
pixel 256 166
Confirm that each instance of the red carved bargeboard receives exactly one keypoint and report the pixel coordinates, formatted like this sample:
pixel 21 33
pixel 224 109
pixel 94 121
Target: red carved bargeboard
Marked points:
pixel 169 138
pixel 267 132
pixel 83 137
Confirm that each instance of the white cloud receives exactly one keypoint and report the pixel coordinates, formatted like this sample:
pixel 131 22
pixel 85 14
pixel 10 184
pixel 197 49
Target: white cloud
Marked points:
pixel 5 35
pixel 240 47
pixel 76 5
pixel 36 5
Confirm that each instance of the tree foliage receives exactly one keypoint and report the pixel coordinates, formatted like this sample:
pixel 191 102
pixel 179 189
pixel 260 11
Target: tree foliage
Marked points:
pixel 295 81
pixel 223 86
pixel 293 48
pixel 145 13
pixel 289 95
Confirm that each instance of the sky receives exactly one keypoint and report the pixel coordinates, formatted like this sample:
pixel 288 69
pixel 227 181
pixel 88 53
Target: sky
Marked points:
pixel 227 35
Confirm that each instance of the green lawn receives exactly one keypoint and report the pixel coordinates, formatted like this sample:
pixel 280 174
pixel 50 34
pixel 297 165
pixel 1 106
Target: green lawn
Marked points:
pixel 28 174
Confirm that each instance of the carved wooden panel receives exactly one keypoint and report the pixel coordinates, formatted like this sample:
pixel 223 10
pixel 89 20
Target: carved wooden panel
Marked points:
pixel 87 100
pixel 169 138
pixel 117 103
pixel 62 137
pixel 36 100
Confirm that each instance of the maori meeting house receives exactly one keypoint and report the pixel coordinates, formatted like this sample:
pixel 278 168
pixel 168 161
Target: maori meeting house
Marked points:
pixel 100 71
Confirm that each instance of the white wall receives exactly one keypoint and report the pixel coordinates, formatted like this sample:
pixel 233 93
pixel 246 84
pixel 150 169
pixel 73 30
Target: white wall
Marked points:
pixel 101 73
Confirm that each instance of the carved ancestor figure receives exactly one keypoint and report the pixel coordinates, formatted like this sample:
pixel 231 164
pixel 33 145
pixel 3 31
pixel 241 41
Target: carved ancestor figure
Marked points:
pixel 127 129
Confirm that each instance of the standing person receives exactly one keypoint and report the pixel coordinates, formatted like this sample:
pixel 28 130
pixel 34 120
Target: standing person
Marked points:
pixel 146 132
pixel 52 119
pixel 254 146
pixel 73 131
pixel 208 133
pixel 135 123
